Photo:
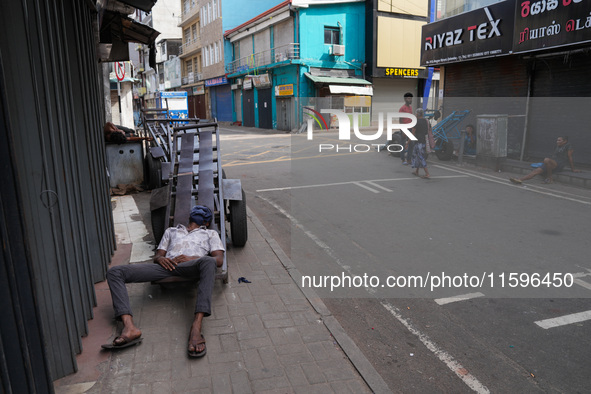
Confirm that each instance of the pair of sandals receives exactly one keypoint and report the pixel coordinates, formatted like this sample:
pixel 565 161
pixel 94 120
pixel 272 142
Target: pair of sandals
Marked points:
pixel 127 342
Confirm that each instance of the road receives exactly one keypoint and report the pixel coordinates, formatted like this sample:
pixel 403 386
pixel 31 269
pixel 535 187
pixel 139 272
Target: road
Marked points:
pixel 514 313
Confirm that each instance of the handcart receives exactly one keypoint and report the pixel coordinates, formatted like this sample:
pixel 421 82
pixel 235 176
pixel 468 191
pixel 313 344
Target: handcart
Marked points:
pixel 195 176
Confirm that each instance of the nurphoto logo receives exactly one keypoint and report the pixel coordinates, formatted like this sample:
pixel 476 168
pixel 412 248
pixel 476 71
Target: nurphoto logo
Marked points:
pixel 393 122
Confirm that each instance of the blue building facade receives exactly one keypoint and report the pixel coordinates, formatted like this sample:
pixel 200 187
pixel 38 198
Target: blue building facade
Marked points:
pixel 294 55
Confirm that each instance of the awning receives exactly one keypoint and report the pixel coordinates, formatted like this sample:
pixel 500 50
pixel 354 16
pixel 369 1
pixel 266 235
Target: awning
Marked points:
pixel 117 30
pixel 337 80
pixel 348 89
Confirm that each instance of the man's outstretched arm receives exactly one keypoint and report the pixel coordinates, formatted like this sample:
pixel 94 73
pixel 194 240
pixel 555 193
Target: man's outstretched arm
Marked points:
pixel 218 255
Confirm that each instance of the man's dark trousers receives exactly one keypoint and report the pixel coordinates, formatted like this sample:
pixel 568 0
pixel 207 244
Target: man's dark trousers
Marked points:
pixel 203 269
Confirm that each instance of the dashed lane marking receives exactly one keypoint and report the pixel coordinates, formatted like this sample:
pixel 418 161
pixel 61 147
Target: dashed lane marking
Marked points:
pixel 463 297
pixel 378 186
pixel 366 187
pixel 564 320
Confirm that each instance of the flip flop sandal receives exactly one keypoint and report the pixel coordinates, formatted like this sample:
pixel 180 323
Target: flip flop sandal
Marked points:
pixel 195 353
pixel 126 343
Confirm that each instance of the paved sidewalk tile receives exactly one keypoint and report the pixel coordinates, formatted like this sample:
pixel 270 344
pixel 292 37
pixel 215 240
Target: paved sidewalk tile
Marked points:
pixel 262 337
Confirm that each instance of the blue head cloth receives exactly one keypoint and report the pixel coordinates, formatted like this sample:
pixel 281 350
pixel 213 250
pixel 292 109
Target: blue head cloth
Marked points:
pixel 200 214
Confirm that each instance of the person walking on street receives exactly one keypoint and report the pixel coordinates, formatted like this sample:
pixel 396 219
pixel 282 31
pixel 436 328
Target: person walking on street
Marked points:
pixel 420 145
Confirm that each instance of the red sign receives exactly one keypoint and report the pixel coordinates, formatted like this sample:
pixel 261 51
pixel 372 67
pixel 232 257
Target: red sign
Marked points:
pixel 120 71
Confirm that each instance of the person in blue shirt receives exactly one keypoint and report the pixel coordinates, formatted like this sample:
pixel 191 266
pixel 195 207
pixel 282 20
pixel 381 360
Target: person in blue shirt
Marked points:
pixel 470 141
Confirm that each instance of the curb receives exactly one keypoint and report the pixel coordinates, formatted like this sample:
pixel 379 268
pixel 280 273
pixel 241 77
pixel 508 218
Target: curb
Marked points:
pixel 371 377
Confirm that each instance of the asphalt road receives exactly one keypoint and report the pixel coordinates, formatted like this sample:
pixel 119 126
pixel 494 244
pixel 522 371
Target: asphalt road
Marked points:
pixel 514 313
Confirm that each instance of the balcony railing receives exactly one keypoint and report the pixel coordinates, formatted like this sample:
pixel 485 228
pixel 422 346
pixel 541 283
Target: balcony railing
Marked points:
pixel 190 46
pixel 192 78
pixel 264 58
pixel 188 13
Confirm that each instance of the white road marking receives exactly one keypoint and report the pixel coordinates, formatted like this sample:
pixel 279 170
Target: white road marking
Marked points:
pixel 564 320
pixel 507 183
pixel 445 357
pixel 355 182
pixel 378 186
pixel 463 297
pixel 441 354
pixel 582 283
pixel 366 187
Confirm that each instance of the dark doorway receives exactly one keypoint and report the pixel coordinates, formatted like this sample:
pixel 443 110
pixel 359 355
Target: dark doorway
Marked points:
pixel 265 108
pixel 248 107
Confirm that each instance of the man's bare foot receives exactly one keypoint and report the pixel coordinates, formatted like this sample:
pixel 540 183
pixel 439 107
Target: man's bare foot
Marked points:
pixel 127 335
pixel 196 342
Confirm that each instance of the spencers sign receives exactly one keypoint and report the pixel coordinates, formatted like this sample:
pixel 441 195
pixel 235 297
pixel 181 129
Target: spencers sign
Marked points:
pixel 481 33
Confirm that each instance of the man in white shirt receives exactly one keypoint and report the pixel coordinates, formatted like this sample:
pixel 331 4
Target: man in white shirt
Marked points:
pixel 194 252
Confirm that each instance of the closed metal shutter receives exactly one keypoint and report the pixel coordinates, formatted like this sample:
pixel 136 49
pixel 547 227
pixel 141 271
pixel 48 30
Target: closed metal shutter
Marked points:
pixel 388 95
pixel 498 77
pixel 224 103
pixel 560 105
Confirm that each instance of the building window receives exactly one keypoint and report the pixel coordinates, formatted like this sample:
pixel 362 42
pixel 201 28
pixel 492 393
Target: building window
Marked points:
pixel 209 18
pixel 187 35
pixel 332 35
pixel 217 52
pixel 214 9
pixel 194 31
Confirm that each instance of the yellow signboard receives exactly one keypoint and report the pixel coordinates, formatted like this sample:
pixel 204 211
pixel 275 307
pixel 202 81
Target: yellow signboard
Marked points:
pixel 402 72
pixel 284 90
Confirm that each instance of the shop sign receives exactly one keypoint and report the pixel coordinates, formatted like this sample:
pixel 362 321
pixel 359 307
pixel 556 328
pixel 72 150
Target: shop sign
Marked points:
pixel 247 84
pixel 261 81
pixel 546 24
pixel 198 90
pixel 284 90
pixel 485 32
pixel 216 81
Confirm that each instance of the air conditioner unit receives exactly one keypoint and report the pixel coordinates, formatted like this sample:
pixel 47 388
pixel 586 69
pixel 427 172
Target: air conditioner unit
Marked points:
pixel 338 50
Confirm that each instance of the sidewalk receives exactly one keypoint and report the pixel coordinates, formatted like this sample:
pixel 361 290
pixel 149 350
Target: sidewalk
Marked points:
pixel 266 336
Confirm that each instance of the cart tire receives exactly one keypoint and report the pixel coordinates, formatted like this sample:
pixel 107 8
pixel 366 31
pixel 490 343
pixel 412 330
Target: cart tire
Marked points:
pixel 446 151
pixel 158 223
pixel 238 223
pixel 396 139
pixel 153 172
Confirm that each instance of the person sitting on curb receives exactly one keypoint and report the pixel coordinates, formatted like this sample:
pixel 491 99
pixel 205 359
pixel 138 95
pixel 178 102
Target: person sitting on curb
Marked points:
pixel 120 134
pixel 193 252
pixel 563 154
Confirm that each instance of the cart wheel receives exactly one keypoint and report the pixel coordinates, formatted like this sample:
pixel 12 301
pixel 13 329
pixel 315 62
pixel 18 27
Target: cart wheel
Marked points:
pixel 158 223
pixel 238 224
pixel 446 151
pixel 396 138
pixel 153 172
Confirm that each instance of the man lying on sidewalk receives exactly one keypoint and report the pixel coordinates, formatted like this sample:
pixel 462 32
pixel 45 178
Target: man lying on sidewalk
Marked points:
pixel 563 155
pixel 193 252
